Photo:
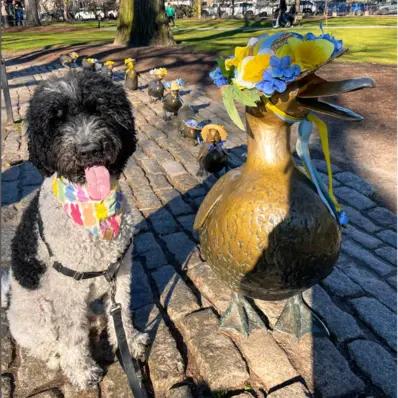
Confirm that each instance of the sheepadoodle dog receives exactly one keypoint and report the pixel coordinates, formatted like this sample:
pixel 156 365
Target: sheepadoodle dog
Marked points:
pixel 80 136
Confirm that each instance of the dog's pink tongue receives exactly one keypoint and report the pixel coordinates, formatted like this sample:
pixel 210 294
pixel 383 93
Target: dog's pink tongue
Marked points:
pixel 98 182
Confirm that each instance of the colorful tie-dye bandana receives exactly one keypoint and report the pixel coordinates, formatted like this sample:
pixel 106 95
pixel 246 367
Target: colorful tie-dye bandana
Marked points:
pixel 101 218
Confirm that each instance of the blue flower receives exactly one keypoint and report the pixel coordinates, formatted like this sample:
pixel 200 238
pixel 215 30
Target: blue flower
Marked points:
pixel 180 82
pixel 283 69
pixel 270 84
pixel 218 78
pixel 343 218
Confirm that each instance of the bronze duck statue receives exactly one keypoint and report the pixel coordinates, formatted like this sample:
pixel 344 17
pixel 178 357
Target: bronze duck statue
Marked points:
pixel 131 75
pixel 172 101
pixel 263 227
pixel 212 155
pixel 155 86
pixel 189 123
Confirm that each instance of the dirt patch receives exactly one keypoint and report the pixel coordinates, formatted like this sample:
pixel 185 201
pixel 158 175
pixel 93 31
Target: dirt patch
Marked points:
pixel 367 148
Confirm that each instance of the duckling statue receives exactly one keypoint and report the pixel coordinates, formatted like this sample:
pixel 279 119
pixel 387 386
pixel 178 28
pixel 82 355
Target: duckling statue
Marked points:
pixel 69 60
pixel 172 101
pixel 155 86
pixel 131 75
pixel 107 68
pixel 212 155
pixel 88 64
pixel 189 124
pixel 267 229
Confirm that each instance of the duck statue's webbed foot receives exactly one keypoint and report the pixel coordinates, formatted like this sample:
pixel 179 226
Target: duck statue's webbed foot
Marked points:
pixel 298 319
pixel 241 317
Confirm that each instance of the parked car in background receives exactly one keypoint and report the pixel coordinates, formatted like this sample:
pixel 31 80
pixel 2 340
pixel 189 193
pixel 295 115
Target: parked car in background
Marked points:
pixel 387 8
pixel 339 8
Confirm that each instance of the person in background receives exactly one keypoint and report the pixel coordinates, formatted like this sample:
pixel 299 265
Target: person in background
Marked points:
pixel 170 13
pixel 18 13
pixel 10 10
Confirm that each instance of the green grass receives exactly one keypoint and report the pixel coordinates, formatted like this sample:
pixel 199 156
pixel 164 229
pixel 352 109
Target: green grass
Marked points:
pixel 377 44
pixel 369 39
pixel 62 35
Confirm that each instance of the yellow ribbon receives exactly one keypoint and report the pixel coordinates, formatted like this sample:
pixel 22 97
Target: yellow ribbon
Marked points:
pixel 324 137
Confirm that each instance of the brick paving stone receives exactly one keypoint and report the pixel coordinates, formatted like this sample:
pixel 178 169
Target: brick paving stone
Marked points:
pixel 175 296
pixel 295 390
pixel 356 218
pixel 321 166
pixel 376 363
pixel 388 253
pixel 163 222
pixel 159 182
pixel 215 356
pixel 7 345
pixel 339 284
pixel 322 366
pixel 71 392
pixel 354 198
pixel 115 383
pixel 179 392
pixel 165 362
pixel 388 236
pixel 185 182
pixel 356 182
pixel 378 318
pixel 210 285
pixel 141 293
pixel 187 221
pixel 146 246
pixel 150 166
pixel 6 236
pixel 365 256
pixel 179 245
pixel 147 200
pixel 172 168
pixel 392 280
pixel 6 384
pixel 173 200
pixel 375 287
pixel 383 216
pixel 258 348
pixel 365 239
pixel 147 319
pixel 341 324
pixel 10 174
pixel 32 374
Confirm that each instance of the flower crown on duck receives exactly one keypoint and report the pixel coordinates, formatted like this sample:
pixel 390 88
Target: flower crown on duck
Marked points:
pixel 129 63
pixel 175 85
pixel 91 60
pixel 159 72
pixel 277 73
pixel 109 64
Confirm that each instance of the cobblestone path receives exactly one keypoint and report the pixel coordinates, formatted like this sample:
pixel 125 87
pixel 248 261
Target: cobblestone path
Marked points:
pixel 179 301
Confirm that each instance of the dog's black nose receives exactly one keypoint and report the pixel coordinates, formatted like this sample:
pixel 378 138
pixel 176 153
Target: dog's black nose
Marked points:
pixel 89 148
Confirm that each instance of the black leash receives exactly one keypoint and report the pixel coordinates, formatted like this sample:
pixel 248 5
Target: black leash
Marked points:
pixel 110 275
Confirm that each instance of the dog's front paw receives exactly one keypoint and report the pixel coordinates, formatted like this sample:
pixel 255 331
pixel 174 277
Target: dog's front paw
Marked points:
pixel 86 377
pixel 138 344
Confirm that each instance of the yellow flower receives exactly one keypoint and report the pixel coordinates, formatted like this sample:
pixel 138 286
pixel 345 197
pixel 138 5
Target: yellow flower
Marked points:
pixel 159 72
pixel 101 211
pixel 240 54
pixel 308 54
pixel 129 61
pixel 109 64
pixel 250 70
pixel 91 60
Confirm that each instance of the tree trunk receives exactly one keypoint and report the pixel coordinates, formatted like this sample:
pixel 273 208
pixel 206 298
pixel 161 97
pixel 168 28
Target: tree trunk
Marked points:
pixel 66 11
pixel 143 23
pixel 199 8
pixel 124 22
pixel 32 15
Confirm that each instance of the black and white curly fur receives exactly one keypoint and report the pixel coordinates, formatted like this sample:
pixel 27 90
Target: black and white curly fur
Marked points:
pixel 76 122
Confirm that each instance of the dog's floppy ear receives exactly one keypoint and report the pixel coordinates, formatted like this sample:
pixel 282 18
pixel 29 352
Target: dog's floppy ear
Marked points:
pixel 46 104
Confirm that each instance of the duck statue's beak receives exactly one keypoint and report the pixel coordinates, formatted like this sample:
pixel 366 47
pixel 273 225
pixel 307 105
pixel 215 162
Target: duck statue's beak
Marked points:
pixel 309 97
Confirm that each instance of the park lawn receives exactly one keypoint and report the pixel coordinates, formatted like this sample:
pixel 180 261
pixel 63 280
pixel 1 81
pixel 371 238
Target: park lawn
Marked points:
pixel 369 39
pixel 376 44
pixel 62 35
